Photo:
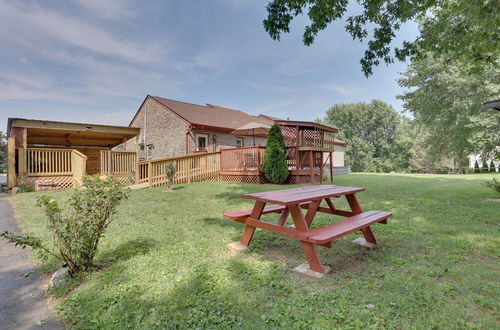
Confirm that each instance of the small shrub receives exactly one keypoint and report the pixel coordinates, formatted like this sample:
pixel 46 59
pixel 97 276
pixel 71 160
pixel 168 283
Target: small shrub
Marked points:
pixel 492 166
pixel 484 169
pixel 78 228
pixel 476 167
pixel 170 172
pixel 24 185
pixel 493 184
pixel 275 167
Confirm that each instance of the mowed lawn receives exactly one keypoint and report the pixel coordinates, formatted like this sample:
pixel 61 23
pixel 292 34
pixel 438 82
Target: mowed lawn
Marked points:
pixel 164 263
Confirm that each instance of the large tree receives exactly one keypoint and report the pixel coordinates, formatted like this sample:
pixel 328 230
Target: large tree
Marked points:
pixel 374 135
pixel 448 104
pixel 461 29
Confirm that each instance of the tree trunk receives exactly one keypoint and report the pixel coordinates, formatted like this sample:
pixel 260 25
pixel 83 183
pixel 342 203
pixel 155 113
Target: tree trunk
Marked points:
pixel 458 163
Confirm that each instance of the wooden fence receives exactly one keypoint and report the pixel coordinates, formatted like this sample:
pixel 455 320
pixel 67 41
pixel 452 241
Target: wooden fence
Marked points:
pixel 190 168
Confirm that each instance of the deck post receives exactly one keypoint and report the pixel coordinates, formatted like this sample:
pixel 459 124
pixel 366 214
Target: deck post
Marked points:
pixel 22 162
pixel 311 166
pixel 331 166
pixel 109 162
pixel 150 173
pixel 11 163
pixel 321 169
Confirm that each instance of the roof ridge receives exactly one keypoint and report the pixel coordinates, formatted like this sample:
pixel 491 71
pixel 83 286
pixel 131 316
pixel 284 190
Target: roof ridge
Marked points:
pixel 164 98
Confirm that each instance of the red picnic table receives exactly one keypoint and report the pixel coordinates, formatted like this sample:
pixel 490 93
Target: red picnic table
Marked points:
pixel 291 202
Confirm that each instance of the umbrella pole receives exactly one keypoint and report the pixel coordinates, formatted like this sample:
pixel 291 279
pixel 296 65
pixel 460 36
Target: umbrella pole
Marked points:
pixel 253 131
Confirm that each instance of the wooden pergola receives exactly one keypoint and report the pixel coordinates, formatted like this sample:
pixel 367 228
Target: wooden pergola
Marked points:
pixel 60 153
pixel 305 142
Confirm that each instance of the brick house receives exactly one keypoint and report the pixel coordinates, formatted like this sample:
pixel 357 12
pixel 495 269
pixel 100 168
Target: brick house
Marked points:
pixel 174 128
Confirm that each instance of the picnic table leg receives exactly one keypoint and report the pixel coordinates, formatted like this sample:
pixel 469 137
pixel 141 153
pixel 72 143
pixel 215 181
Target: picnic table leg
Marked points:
pixel 330 205
pixel 369 239
pixel 354 204
pixel 368 234
pixel 249 230
pixel 311 212
pixel 283 217
pixel 310 252
pixel 312 257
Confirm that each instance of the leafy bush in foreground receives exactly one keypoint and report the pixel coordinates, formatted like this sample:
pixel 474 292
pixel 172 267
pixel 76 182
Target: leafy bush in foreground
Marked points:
pixel 78 228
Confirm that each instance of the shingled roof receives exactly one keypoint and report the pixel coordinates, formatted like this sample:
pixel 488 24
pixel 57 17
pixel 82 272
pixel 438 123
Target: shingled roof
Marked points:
pixel 209 115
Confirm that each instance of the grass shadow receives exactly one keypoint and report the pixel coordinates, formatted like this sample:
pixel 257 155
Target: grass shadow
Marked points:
pixel 128 250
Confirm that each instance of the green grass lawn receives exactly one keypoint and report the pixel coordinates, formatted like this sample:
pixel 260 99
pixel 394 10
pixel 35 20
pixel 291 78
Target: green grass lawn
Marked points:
pixel 164 261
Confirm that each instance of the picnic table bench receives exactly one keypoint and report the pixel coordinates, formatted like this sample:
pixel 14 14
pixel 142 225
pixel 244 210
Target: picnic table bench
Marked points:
pixel 291 202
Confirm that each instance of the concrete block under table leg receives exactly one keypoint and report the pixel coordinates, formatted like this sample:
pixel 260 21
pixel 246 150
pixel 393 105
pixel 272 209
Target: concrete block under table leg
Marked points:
pixel 237 246
pixel 304 270
pixel 361 241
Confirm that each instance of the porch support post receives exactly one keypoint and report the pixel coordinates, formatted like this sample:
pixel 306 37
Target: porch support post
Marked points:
pixel 321 169
pixel 311 166
pixel 109 162
pixel 11 163
pixel 331 166
pixel 21 162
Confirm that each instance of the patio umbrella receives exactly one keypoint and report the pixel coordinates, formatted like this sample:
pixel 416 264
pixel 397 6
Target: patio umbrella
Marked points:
pixel 252 129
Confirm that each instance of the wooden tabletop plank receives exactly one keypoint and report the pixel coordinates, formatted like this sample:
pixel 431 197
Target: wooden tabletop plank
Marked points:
pixel 299 195
pixel 290 191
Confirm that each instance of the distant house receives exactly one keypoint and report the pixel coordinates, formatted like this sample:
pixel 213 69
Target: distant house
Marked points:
pixel 173 128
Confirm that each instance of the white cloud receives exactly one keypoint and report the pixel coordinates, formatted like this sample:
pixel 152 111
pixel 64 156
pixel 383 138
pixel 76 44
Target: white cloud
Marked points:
pixel 343 90
pixel 36 27
pixel 109 9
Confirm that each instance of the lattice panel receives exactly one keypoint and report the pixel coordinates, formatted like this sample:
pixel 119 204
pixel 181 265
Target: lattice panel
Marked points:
pixel 255 179
pixel 289 135
pixel 124 178
pixel 62 182
pixel 310 138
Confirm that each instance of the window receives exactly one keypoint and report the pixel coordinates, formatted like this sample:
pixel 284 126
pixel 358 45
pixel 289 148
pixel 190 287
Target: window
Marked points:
pixel 239 142
pixel 201 142
pixel 149 151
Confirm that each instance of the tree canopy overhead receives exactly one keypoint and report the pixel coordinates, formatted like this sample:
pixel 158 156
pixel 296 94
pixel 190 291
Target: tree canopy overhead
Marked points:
pixel 461 29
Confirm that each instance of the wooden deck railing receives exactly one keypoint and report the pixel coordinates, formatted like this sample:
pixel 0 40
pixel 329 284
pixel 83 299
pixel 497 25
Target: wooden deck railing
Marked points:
pixel 142 172
pixel 78 167
pixel 120 164
pixel 190 168
pixel 47 162
pixel 241 160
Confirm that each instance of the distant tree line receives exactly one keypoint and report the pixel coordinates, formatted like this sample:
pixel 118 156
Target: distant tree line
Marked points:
pixel 448 122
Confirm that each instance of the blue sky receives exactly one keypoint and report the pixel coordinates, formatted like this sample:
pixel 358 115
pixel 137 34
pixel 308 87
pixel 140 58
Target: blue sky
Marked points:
pixel 95 61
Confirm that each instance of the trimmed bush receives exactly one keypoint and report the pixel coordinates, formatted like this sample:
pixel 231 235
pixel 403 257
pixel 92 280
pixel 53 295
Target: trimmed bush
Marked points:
pixel 476 167
pixel 492 166
pixel 485 169
pixel 275 167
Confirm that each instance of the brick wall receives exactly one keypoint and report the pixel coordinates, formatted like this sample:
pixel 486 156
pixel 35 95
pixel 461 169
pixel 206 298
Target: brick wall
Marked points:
pixel 217 140
pixel 164 130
